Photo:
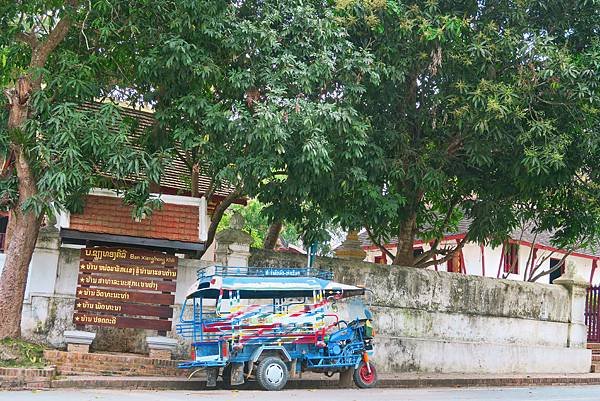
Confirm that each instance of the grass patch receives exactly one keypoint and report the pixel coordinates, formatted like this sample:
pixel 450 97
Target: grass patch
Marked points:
pixel 16 353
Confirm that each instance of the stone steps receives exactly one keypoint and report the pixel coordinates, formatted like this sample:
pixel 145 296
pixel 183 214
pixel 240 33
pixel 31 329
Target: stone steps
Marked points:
pixel 595 347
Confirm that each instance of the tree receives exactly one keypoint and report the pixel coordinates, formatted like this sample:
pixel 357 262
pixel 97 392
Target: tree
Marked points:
pixel 257 224
pixel 57 147
pixel 273 233
pixel 487 110
pixel 255 95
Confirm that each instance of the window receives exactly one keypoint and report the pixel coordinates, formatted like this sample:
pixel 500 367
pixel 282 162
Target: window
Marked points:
pixel 417 251
pixel 558 272
pixel 382 259
pixel 455 265
pixel 511 258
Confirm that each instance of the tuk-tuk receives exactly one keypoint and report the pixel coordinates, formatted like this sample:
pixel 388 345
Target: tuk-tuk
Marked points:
pixel 270 324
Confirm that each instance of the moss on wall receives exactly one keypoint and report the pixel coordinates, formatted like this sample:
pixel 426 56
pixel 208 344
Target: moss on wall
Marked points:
pixel 406 287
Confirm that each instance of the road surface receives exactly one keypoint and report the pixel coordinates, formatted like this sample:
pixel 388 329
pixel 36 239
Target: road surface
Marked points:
pixel 556 393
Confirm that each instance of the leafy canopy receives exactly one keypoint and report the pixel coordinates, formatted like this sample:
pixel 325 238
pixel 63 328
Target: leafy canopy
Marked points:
pixel 257 224
pixel 487 110
pixel 70 146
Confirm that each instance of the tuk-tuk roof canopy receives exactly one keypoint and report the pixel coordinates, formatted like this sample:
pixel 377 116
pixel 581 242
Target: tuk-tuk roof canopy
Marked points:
pixel 267 282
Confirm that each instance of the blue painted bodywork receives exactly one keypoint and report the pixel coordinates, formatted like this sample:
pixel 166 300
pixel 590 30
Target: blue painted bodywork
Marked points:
pixel 296 329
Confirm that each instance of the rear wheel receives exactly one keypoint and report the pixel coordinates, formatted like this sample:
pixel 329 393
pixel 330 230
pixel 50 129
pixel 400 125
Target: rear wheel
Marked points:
pixel 226 375
pixel 365 376
pixel 272 374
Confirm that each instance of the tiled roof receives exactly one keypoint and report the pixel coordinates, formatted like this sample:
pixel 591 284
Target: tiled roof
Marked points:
pixel 527 235
pixel 176 175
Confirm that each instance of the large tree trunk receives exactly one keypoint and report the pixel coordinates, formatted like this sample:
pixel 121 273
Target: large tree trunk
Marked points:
pixel 406 238
pixel 273 235
pixel 23 226
pixel 216 217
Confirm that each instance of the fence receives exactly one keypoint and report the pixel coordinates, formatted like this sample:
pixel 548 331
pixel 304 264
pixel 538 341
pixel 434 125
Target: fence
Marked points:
pixel 592 314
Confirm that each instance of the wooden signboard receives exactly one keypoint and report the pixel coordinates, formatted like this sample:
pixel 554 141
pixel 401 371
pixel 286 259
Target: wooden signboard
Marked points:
pixel 126 288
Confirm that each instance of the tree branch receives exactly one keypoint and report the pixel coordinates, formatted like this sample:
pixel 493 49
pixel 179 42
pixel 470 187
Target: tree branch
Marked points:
pixel 40 54
pixel 429 254
pixel 210 191
pixel 184 159
pixel 28 38
pixel 514 261
pixel 552 270
pixel 530 256
pixel 273 235
pixel 446 258
pixel 218 215
pixel 378 244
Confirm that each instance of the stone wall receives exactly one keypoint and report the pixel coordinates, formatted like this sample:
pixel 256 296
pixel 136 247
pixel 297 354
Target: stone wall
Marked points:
pixel 426 321
pixel 50 300
pixel 77 363
pixel 431 321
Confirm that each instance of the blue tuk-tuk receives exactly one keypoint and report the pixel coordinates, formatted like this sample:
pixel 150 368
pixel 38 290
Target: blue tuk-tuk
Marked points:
pixel 271 324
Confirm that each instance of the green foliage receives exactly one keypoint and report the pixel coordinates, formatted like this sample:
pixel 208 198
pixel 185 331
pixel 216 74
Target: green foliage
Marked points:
pixel 22 354
pixel 257 224
pixel 259 94
pixel 489 110
pixel 366 112
pixel 72 145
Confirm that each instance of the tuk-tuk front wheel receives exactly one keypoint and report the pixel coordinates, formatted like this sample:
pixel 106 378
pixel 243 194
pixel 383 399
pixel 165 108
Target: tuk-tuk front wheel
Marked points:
pixel 365 376
pixel 272 374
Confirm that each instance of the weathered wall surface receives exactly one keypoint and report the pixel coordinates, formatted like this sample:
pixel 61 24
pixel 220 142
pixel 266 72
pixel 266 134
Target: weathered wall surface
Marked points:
pixel 442 322
pixel 426 321
pixel 50 300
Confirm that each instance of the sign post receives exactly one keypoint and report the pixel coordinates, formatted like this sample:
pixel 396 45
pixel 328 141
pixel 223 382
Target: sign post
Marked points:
pixel 125 288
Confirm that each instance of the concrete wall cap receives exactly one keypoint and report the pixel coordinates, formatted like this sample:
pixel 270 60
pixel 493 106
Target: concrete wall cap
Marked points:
pixel 572 278
pixel 231 236
pixel 79 337
pixel 159 342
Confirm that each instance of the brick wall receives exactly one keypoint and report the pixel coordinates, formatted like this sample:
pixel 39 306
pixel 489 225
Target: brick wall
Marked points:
pixel 108 215
pixel 77 363
pixel 26 378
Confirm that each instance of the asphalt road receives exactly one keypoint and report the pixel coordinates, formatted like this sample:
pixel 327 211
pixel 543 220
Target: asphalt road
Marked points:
pixel 557 393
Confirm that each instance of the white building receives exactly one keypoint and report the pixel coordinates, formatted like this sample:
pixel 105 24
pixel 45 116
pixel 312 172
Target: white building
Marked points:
pixel 522 257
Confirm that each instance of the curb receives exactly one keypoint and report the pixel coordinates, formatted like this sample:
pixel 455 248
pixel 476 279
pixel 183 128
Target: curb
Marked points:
pixel 432 382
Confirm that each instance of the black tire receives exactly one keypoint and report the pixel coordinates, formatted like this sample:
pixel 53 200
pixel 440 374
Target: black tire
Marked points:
pixel 226 375
pixel 363 378
pixel 272 374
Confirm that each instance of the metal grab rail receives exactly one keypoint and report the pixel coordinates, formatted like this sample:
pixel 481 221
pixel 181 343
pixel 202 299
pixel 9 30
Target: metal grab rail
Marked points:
pixel 253 271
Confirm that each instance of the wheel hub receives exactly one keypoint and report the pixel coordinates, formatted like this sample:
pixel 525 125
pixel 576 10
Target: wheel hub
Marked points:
pixel 274 373
pixel 365 375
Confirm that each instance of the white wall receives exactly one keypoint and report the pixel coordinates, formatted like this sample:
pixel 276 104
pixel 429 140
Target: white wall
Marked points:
pixel 429 321
pixel 473 261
